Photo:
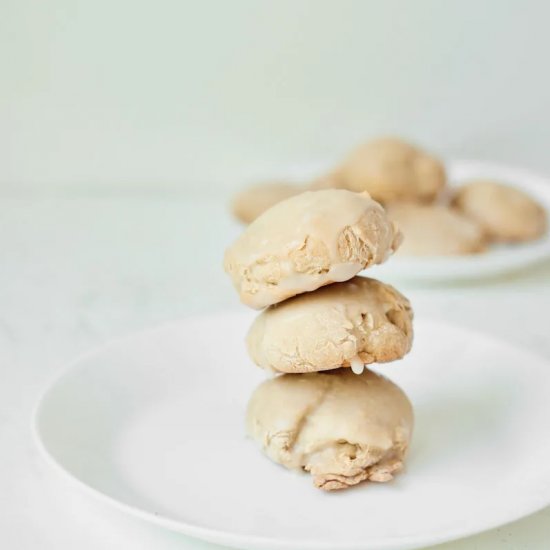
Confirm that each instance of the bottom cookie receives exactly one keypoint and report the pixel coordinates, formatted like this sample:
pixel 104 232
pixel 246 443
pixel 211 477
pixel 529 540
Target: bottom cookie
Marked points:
pixel 340 427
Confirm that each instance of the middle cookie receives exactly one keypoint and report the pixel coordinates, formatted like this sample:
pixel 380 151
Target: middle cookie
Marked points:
pixel 348 324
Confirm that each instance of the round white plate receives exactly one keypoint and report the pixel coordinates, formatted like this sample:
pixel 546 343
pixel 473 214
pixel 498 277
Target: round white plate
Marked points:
pixel 498 260
pixel 154 425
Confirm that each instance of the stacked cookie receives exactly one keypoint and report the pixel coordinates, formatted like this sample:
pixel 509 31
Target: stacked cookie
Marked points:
pixel 320 325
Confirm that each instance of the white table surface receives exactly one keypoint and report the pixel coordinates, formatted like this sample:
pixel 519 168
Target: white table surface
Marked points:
pixel 76 271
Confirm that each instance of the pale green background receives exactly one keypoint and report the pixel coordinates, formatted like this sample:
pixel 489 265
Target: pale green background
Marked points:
pixel 211 93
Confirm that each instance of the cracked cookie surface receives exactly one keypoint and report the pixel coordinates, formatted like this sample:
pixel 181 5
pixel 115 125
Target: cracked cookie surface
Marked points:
pixel 361 320
pixel 308 241
pixel 340 427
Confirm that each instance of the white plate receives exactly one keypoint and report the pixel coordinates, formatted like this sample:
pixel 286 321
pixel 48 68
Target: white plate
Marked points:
pixel 154 425
pixel 498 260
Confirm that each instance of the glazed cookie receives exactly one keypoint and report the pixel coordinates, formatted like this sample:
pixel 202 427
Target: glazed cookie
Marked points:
pixel 433 230
pixel 346 324
pixel 392 170
pixel 308 241
pixel 505 213
pixel 253 201
pixel 340 427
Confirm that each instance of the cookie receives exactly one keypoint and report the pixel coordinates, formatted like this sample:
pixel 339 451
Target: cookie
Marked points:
pixel 390 170
pixel 436 230
pixel 340 427
pixel 308 241
pixel 505 213
pixel 349 324
pixel 253 201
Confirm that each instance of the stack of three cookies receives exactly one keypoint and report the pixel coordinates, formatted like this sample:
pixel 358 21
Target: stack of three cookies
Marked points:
pixel 325 413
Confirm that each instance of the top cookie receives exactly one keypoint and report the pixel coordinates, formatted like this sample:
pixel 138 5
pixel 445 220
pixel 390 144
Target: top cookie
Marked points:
pixel 506 214
pixel 392 170
pixel 308 241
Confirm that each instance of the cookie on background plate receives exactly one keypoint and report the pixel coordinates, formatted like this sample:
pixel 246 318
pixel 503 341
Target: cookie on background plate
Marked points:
pixel 253 201
pixel 436 230
pixel 505 213
pixel 391 169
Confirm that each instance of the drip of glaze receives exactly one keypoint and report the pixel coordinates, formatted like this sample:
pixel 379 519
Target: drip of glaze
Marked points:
pixel 357 366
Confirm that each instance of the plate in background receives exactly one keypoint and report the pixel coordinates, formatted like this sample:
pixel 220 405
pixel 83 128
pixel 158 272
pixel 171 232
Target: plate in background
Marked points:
pixel 497 260
pixel 153 424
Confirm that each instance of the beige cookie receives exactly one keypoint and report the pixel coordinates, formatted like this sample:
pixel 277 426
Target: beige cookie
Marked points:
pixel 349 324
pixel 434 230
pixel 248 204
pixel 505 213
pixel 392 170
pixel 340 427
pixel 308 241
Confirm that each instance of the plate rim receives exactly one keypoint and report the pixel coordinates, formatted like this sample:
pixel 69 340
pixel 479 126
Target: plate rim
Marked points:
pixel 256 542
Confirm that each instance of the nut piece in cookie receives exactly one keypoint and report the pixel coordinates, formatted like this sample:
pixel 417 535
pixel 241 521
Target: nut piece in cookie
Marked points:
pixel 505 213
pixel 308 241
pixel 391 169
pixel 353 323
pixel 340 427
pixel 249 203
pixel 436 230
